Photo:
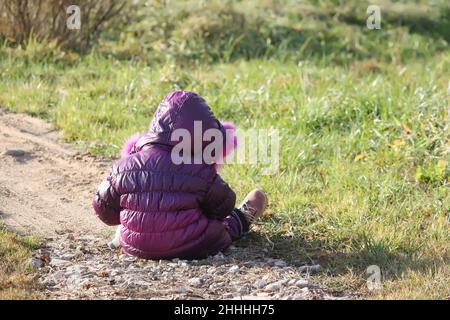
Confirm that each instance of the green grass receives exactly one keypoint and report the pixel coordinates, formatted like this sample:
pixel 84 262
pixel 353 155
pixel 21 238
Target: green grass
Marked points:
pixel 16 276
pixel 364 172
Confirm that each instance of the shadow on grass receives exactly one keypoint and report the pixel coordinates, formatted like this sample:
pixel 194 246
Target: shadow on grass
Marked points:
pixel 297 252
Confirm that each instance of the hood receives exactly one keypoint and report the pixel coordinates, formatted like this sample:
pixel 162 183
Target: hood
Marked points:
pixel 179 110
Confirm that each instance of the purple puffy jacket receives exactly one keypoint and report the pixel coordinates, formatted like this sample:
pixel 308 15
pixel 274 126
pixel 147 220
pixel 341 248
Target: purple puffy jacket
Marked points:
pixel 168 210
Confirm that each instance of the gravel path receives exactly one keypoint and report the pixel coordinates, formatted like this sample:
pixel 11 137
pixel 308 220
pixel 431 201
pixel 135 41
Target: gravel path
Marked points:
pixel 84 268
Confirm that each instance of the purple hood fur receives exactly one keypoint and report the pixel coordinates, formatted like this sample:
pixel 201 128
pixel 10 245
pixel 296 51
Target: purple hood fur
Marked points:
pixel 168 210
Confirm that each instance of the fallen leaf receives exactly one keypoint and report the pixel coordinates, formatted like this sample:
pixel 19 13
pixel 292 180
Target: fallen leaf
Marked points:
pixel 406 128
pixel 359 157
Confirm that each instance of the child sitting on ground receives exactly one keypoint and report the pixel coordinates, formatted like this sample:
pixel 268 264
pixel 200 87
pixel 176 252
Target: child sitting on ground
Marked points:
pixel 167 210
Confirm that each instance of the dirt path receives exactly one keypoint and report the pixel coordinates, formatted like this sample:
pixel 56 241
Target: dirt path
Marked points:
pixel 46 190
pixel 45 186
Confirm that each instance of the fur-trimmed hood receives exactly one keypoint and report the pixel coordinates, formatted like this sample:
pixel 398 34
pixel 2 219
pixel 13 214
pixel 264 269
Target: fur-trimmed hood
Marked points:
pixel 179 110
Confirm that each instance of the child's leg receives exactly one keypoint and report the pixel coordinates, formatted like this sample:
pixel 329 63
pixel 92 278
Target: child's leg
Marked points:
pixel 236 224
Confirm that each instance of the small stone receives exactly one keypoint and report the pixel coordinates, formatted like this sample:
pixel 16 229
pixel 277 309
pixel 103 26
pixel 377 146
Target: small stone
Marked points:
pixel 142 283
pixel 310 269
pixel 36 263
pixel 291 282
pixel 259 284
pixel 181 290
pixel 211 270
pixel 195 282
pixel 68 256
pixel 272 286
pixel 242 290
pixel 270 260
pixel 59 263
pixel 59 275
pixel 74 281
pixel 234 269
pixel 280 263
pixel 302 283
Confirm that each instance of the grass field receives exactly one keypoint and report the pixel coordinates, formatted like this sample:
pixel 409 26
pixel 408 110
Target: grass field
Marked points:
pixel 16 276
pixel 364 159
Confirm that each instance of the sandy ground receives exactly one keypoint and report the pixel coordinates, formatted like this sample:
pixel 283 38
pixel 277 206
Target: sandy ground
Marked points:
pixel 46 187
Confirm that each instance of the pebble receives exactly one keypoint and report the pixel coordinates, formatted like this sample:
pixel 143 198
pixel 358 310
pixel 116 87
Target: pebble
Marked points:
pixel 310 269
pixel 59 276
pixel 302 283
pixel 36 263
pixel 55 262
pixel 68 256
pixel 181 290
pixel 234 269
pixel 291 282
pixel 272 286
pixel 242 290
pixel 259 284
pixel 280 263
pixel 196 282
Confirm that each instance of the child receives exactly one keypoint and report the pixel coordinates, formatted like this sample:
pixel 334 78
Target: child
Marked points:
pixel 169 210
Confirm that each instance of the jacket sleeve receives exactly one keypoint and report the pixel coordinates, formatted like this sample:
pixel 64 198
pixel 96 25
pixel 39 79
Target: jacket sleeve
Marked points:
pixel 106 202
pixel 220 199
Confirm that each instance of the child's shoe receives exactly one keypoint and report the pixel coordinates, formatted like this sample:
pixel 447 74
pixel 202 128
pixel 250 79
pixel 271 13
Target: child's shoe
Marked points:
pixel 254 205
